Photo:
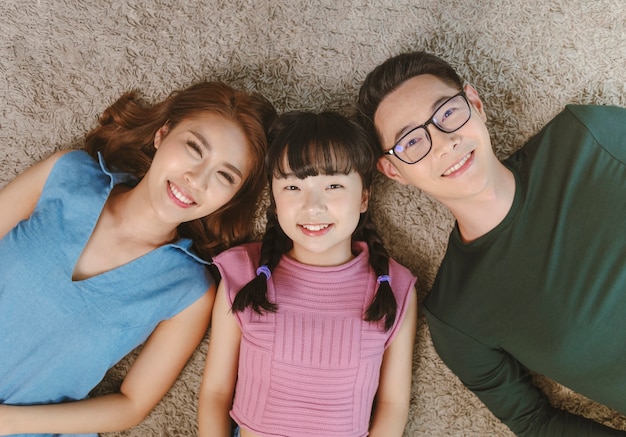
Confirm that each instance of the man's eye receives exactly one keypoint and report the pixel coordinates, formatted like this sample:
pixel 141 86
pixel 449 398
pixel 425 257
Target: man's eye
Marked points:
pixel 448 113
pixel 411 142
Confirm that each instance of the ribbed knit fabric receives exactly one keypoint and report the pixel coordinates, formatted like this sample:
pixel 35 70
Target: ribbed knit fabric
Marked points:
pixel 312 368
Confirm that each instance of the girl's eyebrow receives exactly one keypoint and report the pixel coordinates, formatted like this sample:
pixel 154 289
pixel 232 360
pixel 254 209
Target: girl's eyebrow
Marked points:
pixel 208 147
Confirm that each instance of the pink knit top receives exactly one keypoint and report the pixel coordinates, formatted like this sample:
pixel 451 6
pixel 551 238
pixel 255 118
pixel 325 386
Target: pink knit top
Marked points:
pixel 312 368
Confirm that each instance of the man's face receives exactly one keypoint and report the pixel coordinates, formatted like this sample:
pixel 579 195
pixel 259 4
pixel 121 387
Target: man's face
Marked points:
pixel 460 163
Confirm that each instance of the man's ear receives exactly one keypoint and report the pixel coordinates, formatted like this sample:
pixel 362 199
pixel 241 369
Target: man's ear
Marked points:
pixel 474 99
pixel 385 166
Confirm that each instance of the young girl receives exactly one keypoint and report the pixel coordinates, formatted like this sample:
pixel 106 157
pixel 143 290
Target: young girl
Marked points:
pixel 314 323
pixel 103 249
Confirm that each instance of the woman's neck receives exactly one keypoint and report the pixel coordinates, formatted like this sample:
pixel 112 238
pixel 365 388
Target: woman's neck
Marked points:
pixel 125 208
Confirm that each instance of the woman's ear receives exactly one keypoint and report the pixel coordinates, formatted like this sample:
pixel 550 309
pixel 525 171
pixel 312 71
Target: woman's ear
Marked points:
pixel 474 99
pixel 160 134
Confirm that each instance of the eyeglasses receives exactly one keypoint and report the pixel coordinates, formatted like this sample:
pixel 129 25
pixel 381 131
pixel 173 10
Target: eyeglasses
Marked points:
pixel 450 116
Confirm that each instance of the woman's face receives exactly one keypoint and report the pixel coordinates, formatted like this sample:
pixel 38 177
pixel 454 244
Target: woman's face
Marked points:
pixel 199 166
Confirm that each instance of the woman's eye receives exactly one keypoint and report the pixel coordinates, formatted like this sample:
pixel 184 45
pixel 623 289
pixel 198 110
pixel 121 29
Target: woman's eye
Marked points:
pixel 195 148
pixel 229 178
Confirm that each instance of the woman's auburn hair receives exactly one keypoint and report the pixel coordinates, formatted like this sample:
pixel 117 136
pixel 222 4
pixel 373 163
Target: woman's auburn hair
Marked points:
pixel 125 138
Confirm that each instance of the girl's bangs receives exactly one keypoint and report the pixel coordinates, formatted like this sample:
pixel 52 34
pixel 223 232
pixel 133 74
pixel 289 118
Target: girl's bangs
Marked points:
pixel 317 157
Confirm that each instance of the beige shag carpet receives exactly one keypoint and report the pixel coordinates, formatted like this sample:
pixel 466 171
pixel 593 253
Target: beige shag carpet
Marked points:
pixel 62 62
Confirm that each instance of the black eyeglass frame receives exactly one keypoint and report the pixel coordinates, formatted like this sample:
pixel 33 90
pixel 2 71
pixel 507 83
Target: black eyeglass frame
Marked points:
pixel 431 120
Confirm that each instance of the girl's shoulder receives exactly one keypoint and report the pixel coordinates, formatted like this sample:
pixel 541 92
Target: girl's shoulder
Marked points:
pixel 237 265
pixel 244 253
pixel 398 270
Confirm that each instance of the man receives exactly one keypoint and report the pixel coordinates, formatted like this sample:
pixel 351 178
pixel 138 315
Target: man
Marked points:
pixel 534 277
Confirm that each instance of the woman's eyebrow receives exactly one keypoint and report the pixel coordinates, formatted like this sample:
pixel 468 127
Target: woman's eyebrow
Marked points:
pixel 202 139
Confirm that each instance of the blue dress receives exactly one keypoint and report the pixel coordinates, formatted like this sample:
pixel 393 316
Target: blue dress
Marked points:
pixel 58 337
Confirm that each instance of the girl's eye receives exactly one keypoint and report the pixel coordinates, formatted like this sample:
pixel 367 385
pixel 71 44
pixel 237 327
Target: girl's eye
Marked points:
pixel 335 186
pixel 291 188
pixel 194 148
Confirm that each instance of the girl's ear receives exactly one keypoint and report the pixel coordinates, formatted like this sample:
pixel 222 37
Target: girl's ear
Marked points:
pixel 474 99
pixel 365 198
pixel 160 134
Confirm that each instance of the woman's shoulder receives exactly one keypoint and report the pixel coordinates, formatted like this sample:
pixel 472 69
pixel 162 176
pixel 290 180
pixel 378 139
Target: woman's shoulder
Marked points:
pixel 63 163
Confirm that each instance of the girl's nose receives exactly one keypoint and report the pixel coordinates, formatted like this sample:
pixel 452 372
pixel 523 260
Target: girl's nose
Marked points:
pixel 314 202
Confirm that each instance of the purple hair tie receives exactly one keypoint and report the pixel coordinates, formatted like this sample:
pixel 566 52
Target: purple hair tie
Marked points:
pixel 383 278
pixel 265 270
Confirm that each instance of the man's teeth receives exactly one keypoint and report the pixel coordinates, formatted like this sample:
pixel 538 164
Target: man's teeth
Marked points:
pixel 457 166
pixel 180 195
pixel 315 227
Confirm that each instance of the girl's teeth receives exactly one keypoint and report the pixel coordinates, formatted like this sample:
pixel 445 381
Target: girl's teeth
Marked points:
pixel 315 227
pixel 180 195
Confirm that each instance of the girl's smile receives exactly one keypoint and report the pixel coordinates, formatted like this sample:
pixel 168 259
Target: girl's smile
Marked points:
pixel 315 230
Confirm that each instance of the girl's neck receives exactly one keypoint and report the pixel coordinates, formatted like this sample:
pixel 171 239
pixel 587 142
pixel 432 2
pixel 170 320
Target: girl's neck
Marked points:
pixel 335 256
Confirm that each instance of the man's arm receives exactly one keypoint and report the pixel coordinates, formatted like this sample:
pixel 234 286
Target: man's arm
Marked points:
pixel 506 388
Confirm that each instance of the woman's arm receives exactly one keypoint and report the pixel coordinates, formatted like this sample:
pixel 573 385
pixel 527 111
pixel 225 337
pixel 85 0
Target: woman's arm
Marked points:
pixel 20 196
pixel 391 408
pixel 220 372
pixel 152 374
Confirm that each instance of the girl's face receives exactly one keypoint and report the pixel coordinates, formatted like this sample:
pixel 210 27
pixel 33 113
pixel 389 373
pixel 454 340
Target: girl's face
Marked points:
pixel 319 214
pixel 199 166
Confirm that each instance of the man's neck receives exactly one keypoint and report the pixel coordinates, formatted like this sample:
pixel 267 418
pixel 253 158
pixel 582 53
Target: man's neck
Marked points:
pixel 480 214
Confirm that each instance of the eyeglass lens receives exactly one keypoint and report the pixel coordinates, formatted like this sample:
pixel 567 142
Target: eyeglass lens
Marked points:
pixel 450 116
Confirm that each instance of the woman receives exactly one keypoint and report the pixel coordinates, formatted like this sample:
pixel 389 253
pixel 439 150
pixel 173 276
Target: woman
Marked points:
pixel 104 249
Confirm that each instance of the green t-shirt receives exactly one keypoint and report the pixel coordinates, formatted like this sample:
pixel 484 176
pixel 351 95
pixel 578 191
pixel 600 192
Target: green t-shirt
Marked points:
pixel 546 289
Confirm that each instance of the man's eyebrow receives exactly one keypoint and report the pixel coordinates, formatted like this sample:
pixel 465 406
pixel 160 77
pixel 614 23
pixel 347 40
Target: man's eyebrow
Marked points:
pixel 435 105
pixel 207 146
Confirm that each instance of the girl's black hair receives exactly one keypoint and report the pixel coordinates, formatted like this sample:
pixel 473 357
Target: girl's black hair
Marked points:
pixel 308 144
